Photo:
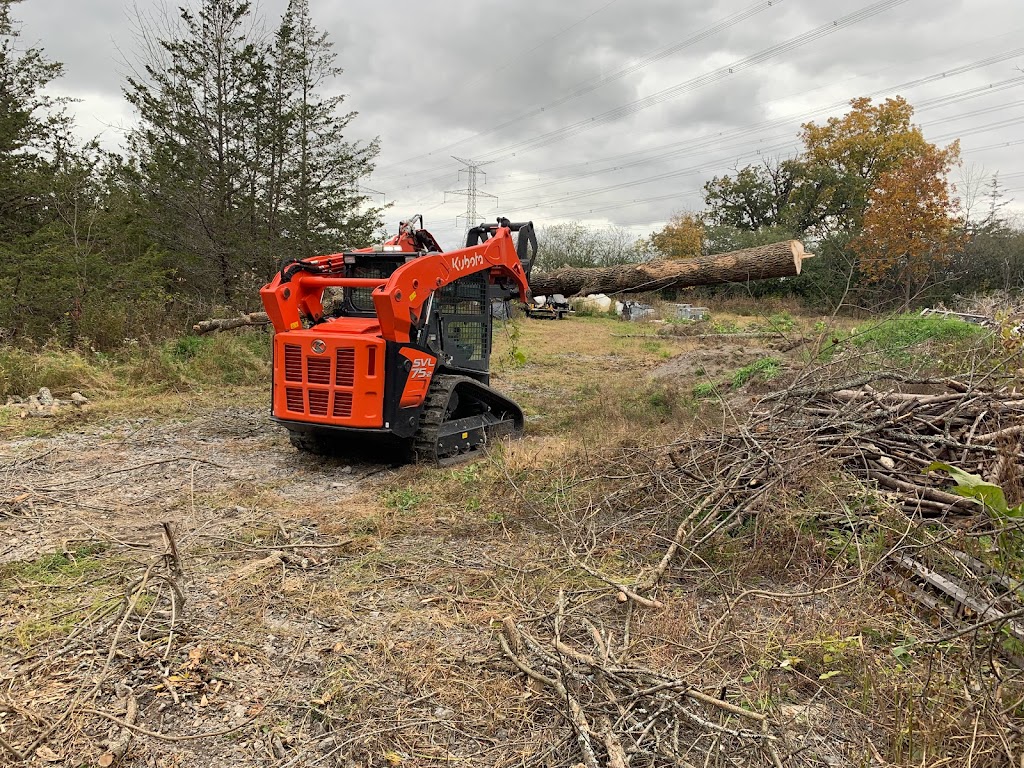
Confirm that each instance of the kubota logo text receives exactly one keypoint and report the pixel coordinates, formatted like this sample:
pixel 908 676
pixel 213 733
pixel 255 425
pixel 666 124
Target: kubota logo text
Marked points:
pixel 464 263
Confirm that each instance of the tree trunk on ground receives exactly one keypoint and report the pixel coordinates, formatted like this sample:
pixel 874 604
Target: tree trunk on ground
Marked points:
pixel 760 263
pixel 226 324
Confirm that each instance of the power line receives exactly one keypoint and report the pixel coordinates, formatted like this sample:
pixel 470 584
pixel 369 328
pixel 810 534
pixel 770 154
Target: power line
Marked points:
pixel 675 195
pixel 938 102
pixel 587 86
pixel 768 150
pixel 987 42
pixel 781 147
pixel 694 148
pixel 698 146
pixel 695 144
pixel 559 134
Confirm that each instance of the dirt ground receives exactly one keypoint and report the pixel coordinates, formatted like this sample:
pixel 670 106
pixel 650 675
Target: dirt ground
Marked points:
pixel 119 481
pixel 323 612
pixel 315 624
pixel 96 499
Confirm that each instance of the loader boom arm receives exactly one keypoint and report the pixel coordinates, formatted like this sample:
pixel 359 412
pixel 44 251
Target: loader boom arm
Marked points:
pixel 295 293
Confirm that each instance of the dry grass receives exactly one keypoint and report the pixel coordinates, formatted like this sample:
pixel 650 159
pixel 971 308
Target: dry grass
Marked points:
pixel 359 626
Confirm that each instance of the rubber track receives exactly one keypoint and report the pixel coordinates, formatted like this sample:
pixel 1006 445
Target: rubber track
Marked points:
pixel 434 409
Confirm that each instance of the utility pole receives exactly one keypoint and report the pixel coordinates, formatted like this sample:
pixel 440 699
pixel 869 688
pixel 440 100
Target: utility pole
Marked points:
pixel 472 191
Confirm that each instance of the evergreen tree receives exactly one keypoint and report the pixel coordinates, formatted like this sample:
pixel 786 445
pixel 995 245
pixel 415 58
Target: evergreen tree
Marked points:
pixel 193 100
pixel 242 158
pixel 29 122
pixel 320 172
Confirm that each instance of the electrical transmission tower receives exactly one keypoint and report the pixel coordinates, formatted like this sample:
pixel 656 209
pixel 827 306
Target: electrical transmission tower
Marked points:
pixel 471 192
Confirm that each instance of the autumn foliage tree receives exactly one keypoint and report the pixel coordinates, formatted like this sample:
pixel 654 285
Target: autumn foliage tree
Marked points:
pixel 867 187
pixel 681 238
pixel 910 228
pixel 849 156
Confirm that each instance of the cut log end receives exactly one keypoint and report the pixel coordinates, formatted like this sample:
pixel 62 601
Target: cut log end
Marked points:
pixel 799 254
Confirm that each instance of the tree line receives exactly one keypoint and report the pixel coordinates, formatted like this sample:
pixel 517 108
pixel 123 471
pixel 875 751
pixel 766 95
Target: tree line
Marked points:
pixel 868 194
pixel 238 160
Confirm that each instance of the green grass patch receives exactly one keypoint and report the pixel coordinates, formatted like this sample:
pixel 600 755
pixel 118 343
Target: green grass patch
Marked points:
pixel 705 390
pixel 55 592
pixel 780 322
pixel 764 369
pixel 55 568
pixel 895 336
pixel 591 310
pixel 404 499
pixel 725 326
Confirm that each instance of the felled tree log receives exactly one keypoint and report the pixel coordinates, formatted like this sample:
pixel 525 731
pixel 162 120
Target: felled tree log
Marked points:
pixel 760 263
pixel 227 323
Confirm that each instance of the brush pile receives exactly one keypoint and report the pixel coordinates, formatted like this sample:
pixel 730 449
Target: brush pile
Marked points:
pixel 624 714
pixel 875 436
pixel 888 440
pixel 891 438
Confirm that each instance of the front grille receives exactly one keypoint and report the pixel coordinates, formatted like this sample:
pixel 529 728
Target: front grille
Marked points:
pixel 318 370
pixel 318 401
pixel 313 389
pixel 346 370
pixel 292 363
pixel 342 404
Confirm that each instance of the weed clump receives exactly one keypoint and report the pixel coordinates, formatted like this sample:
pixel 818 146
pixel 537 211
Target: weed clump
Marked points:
pixel 764 369
pixel 895 336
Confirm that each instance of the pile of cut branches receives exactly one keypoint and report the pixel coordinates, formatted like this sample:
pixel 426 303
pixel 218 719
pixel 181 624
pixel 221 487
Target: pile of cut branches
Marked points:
pixel 687 496
pixel 892 438
pixel 882 437
pixel 624 714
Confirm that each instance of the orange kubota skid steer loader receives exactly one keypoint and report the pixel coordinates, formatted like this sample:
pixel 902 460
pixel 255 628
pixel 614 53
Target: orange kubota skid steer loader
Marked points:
pixel 401 354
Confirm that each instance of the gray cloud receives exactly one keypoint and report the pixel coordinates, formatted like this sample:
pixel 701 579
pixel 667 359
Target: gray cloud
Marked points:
pixel 427 75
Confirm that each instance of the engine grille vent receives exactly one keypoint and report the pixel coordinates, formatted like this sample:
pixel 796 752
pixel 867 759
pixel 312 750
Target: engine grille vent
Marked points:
pixel 293 397
pixel 318 401
pixel 346 370
pixel 318 370
pixel 292 363
pixel 342 404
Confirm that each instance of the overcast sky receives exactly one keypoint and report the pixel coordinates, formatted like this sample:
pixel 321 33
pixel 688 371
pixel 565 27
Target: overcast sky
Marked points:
pixel 610 112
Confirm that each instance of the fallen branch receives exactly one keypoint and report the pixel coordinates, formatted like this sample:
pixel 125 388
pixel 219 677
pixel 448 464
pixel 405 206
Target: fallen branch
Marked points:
pixel 116 748
pixel 227 323
pixel 621 712
pixel 961 596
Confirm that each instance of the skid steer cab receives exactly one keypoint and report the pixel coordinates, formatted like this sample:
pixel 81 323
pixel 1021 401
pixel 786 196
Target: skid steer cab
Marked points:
pixel 389 347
